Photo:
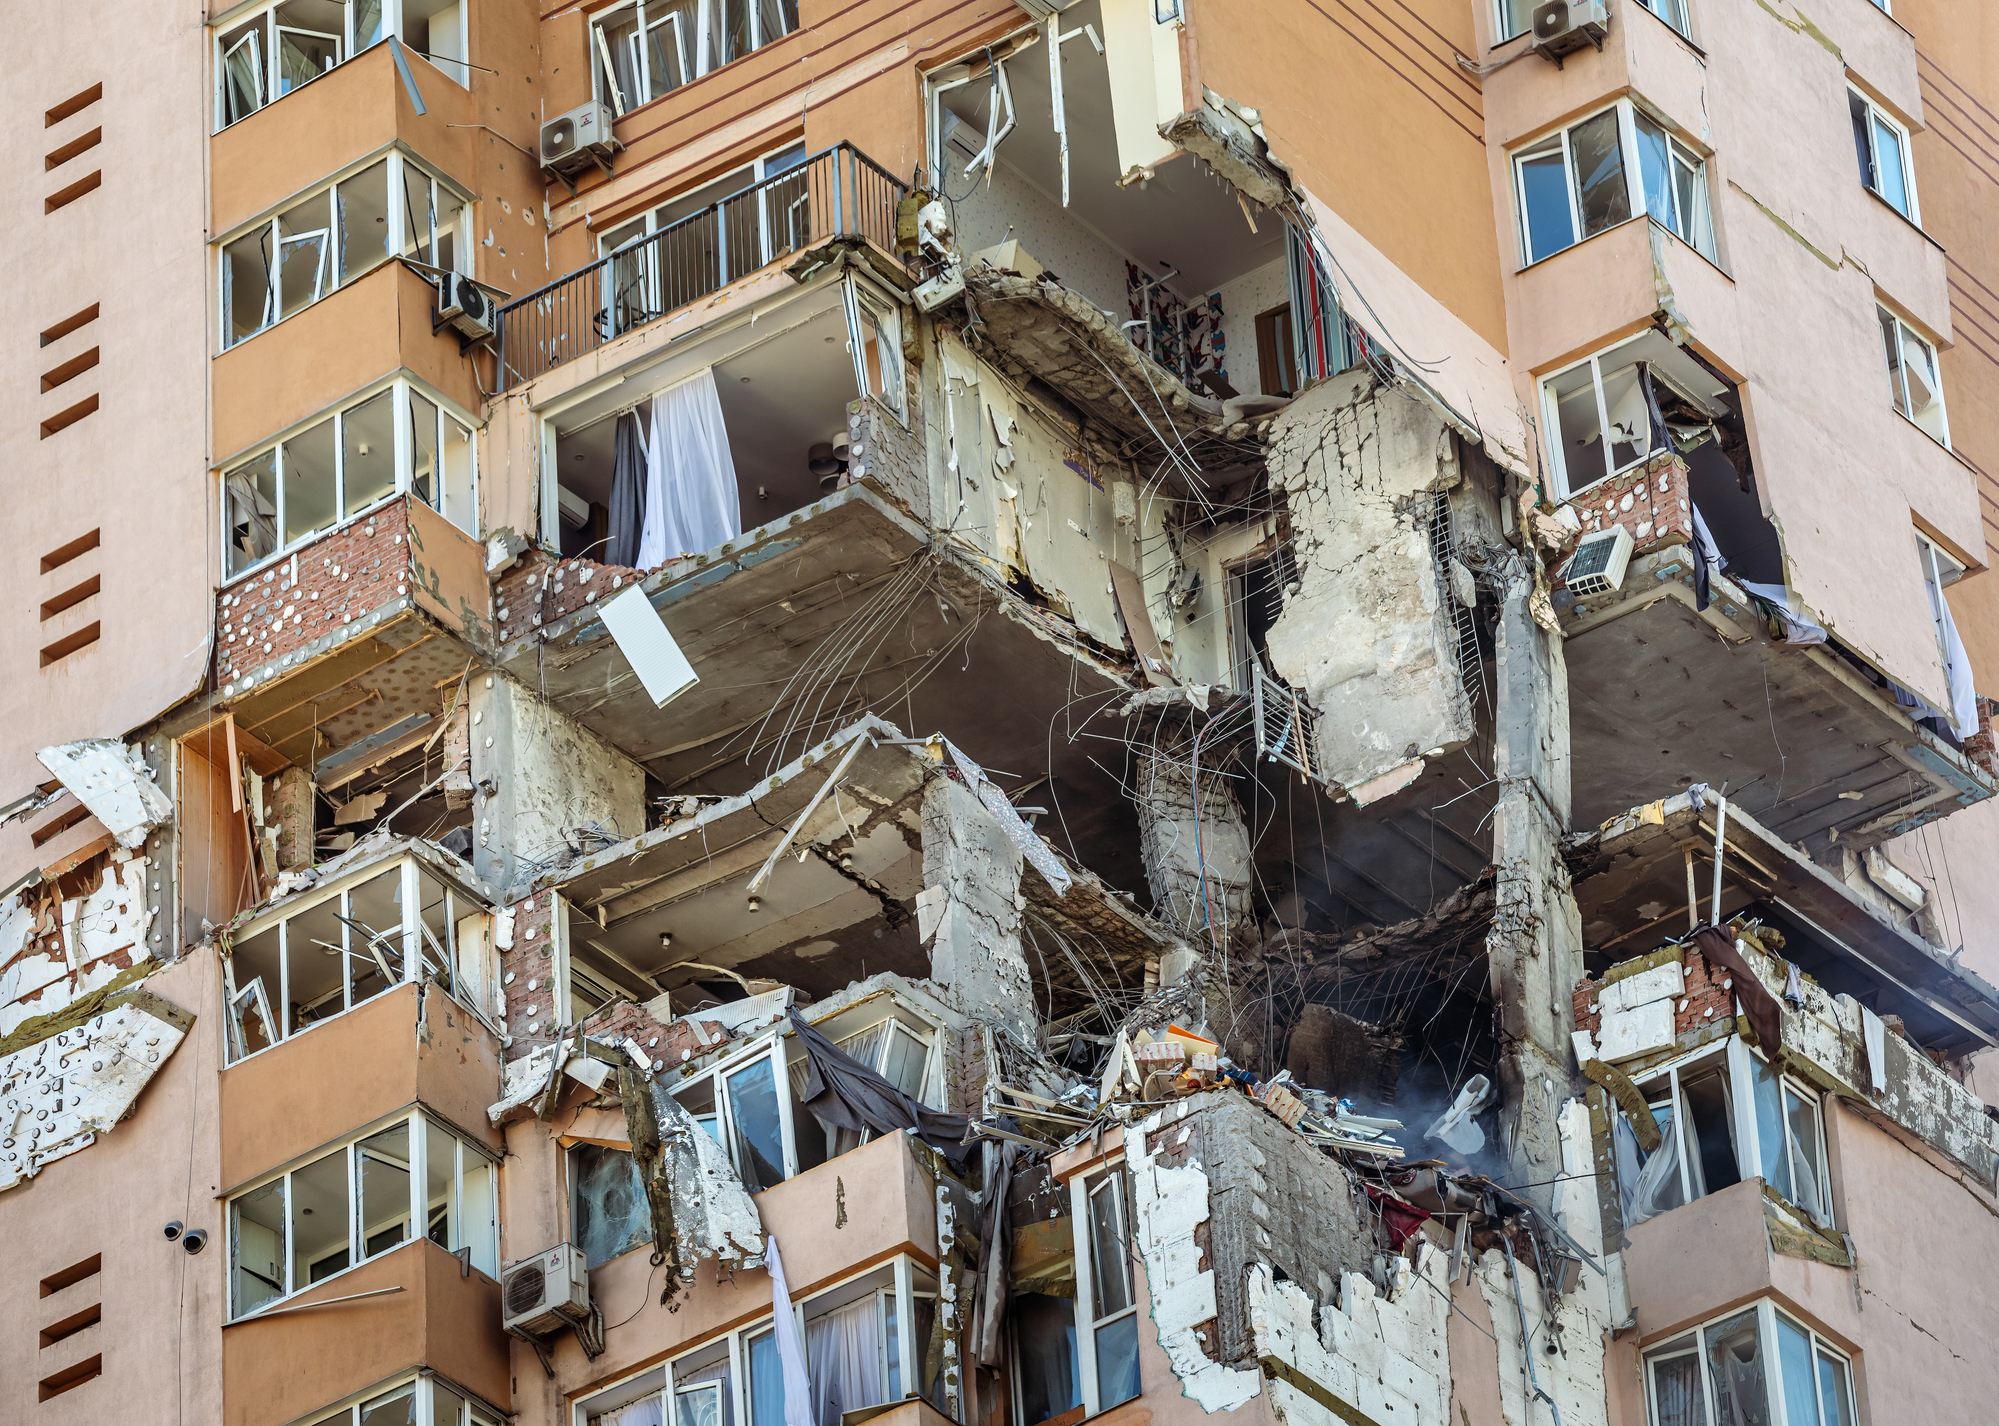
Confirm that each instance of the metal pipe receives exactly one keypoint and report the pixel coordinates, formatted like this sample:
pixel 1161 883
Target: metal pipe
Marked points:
pixel 799 822
pixel 1526 1345
pixel 1720 828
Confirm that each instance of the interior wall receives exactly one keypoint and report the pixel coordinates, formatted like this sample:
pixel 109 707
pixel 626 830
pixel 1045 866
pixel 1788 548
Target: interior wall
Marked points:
pixel 1013 207
pixel 1243 300
pixel 214 840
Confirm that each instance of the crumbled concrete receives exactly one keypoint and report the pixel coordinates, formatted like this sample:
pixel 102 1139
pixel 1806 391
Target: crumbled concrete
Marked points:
pixel 969 909
pixel 55 948
pixel 1367 635
pixel 1189 835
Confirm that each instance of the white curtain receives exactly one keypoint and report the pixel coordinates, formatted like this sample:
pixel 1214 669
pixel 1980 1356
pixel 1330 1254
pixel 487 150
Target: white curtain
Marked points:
pixel 690 503
pixel 843 1348
pixel 790 1350
pixel 643 1412
pixel 1963 698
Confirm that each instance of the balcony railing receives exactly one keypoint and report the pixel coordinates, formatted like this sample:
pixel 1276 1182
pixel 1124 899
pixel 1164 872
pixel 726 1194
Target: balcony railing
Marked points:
pixel 840 192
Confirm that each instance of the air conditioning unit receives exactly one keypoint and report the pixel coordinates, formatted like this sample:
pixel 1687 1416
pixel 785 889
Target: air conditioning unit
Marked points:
pixel 463 304
pixel 1564 25
pixel 1597 566
pixel 577 139
pixel 541 1293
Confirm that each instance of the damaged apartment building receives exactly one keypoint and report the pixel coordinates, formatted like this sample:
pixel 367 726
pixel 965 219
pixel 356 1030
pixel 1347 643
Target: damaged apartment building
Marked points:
pixel 1004 712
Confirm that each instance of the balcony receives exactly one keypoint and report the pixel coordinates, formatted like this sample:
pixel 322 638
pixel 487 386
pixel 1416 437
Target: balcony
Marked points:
pixel 839 193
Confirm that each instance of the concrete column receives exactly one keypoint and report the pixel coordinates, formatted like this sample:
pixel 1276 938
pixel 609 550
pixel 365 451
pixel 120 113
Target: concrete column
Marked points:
pixel 1535 944
pixel 1184 837
pixel 969 909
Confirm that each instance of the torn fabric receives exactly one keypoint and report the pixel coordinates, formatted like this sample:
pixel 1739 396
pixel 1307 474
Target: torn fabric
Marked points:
pixel 112 780
pixel 790 1350
pixel 1765 1015
pixel 1963 697
pixel 990 1302
pixel 1038 853
pixel 843 1093
pixel 1797 628
pixel 700 1208
pixel 1707 563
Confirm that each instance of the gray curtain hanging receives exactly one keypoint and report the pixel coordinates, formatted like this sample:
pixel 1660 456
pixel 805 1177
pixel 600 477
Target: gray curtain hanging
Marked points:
pixel 628 479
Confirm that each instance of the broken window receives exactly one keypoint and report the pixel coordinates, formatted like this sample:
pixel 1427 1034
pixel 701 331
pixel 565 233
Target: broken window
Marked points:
pixel 1607 393
pixel 1940 570
pixel 874 336
pixel 1723 1116
pixel 1325 341
pixel 359 1200
pixel 267 55
pixel 1756 1367
pixel 1108 1351
pixel 1673 12
pixel 426 1400
pixel 862 1339
pixel 893 1049
pixel 608 1211
pixel 745 1105
pixel 1913 380
pixel 1882 146
pixel 645 50
pixel 342 467
pixel 324 957
pixel 1575 184
pixel 285 263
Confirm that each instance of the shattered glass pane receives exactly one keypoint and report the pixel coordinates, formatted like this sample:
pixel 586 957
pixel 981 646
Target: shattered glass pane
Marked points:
pixel 311 501
pixel 1655 172
pixel 1579 427
pixel 759 1137
pixel 1544 202
pixel 1677 1396
pixel 1891 338
pixel 319 1210
pixel 382 1162
pixel 257 1248
pixel 1630 421
pixel 1772 1160
pixel 396 1408
pixel 1599 160
pixel 377 941
pixel 612 1216
pixel 253 513
pixel 246 284
pixel 1110 1267
pixel 1735 1364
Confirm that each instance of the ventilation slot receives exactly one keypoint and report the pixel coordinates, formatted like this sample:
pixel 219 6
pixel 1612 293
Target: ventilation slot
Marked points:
pixel 63 420
pixel 74 105
pixel 70 1326
pixel 62 648
pixel 82 545
pixel 72 1275
pixel 63 197
pixel 68 371
pixel 56 826
pixel 72 1377
pixel 70 324
pixel 57 157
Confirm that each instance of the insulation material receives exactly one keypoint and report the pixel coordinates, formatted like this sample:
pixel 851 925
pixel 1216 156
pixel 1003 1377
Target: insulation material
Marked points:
pixel 1170 1204
pixel 52 951
pixel 59 1094
pixel 111 779
pixel 700 1208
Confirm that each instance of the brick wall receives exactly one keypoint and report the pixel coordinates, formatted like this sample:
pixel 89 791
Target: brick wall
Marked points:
pixel 525 971
pixel 1708 997
pixel 539 590
pixel 317 596
pixel 1650 501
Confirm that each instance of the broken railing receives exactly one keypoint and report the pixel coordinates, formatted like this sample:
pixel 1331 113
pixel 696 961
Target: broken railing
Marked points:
pixel 839 192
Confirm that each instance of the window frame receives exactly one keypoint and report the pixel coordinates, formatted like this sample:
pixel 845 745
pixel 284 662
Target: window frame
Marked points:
pixel 450 416
pixel 903 1280
pixel 1878 115
pixel 1897 329
pixel 1320 327
pixel 712 18
pixel 767 1048
pixel 262 23
pixel 397 244
pixel 1683 27
pixel 1739 1063
pixel 481 1253
pixel 1109 1176
pixel 1694 1341
pixel 415 964
pixel 473 1411
pixel 1565 482
pixel 1700 234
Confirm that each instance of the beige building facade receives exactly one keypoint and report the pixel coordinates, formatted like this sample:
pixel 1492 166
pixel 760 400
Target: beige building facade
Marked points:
pixel 1005 712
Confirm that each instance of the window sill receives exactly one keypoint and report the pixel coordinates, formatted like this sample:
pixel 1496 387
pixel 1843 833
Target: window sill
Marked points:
pixel 1679 34
pixel 1910 422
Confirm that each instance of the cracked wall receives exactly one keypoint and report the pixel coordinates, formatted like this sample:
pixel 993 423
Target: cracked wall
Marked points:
pixel 1196 849
pixel 73 934
pixel 969 909
pixel 1366 633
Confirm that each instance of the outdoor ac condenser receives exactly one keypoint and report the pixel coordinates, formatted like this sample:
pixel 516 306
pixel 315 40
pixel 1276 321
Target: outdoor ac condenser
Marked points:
pixel 1564 25
pixel 1597 566
pixel 463 304
pixel 576 139
pixel 541 1293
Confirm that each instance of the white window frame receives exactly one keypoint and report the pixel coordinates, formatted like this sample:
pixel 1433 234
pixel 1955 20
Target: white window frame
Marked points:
pixel 1939 572
pixel 1566 482
pixel 902 1288
pixel 1897 338
pixel 1877 115
pixel 482 1251
pixel 1699 226
pixel 862 298
pixel 450 414
pixel 1502 24
pixel 1659 9
pixel 263 24
pixel 416 967
pixel 424 1405
pixel 767 1048
pixel 1109 1177
pixel 711 20
pixel 1739 1063
pixel 1767 1352
pixel 399 238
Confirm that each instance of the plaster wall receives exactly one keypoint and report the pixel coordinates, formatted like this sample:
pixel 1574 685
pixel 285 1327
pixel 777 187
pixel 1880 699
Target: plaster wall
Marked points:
pixel 1013 206
pixel 337 1076
pixel 131 472
pixel 162 1308
pixel 1242 300
pixel 1802 246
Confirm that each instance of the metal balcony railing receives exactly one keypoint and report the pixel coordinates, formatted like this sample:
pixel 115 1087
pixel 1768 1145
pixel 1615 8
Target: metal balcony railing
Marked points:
pixel 839 192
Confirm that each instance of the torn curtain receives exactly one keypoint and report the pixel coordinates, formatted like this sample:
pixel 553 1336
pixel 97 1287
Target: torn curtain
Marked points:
pixel 1765 1015
pixel 690 499
pixel 628 481
pixel 843 1093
